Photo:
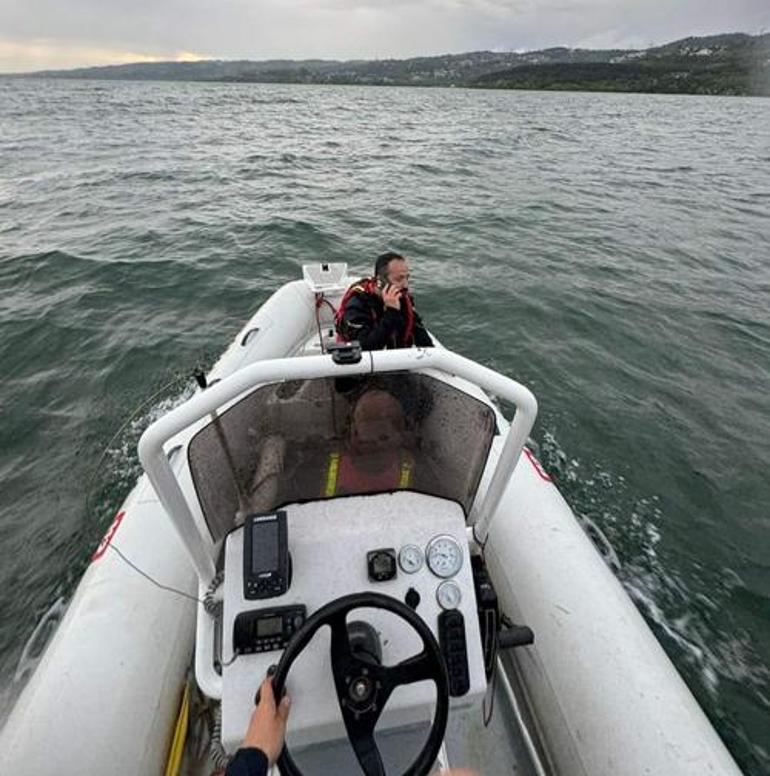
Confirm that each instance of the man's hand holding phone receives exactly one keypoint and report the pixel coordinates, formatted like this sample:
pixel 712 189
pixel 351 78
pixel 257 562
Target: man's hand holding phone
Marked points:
pixel 391 296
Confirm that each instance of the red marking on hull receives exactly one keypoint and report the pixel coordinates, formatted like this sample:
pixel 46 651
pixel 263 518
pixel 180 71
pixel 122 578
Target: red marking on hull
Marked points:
pixel 108 537
pixel 542 473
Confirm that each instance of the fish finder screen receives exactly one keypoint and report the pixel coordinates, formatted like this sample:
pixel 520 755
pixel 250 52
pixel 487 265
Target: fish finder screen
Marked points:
pixel 264 547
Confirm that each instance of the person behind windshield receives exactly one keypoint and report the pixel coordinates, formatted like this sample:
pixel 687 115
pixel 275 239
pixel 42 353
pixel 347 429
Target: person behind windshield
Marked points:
pixel 375 457
pixel 379 312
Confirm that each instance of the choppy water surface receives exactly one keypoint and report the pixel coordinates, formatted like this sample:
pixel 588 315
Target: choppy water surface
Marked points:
pixel 610 251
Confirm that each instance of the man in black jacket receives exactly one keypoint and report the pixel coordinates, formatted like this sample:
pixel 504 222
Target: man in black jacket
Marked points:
pixel 379 312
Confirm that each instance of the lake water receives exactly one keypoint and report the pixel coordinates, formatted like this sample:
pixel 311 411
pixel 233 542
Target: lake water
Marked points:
pixel 612 252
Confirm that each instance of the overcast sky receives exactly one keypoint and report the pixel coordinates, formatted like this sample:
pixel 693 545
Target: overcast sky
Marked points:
pixel 36 34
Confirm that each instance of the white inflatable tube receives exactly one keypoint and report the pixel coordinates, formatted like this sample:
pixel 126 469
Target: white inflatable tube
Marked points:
pixel 104 696
pixel 280 326
pixel 608 699
pixel 106 693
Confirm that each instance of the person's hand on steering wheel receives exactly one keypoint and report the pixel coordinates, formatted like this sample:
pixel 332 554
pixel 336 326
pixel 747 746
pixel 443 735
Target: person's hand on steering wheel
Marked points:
pixel 267 728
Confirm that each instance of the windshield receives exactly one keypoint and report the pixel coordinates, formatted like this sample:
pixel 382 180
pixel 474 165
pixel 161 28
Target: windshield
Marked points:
pixel 326 438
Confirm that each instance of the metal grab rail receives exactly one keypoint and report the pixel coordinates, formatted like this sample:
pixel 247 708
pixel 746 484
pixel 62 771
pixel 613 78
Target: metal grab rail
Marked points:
pixel 200 547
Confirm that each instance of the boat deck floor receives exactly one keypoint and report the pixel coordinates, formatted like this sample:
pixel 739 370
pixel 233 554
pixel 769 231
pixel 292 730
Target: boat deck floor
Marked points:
pixel 493 750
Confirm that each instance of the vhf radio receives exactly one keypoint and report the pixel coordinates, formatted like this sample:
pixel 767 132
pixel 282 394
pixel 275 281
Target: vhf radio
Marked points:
pixel 266 561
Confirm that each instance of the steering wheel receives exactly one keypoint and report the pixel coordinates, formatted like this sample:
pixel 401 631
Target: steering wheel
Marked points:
pixel 363 686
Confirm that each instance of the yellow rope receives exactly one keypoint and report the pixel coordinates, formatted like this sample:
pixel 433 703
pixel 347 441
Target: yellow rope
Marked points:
pixel 180 735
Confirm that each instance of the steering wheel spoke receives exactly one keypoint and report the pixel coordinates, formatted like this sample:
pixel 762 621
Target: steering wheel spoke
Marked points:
pixel 341 652
pixel 417 668
pixel 360 730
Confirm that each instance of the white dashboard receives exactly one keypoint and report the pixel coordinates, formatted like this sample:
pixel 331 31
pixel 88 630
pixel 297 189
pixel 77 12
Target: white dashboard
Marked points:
pixel 329 542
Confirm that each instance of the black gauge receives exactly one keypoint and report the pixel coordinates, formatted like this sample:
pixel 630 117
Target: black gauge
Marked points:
pixel 381 565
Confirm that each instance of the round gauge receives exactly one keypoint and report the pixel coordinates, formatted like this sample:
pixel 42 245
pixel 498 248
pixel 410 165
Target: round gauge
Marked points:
pixel 448 595
pixel 410 558
pixel 444 556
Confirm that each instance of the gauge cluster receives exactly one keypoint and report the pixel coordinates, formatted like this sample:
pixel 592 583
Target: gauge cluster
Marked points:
pixel 443 556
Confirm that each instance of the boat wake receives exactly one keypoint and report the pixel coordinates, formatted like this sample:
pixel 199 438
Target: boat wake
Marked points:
pixel 685 603
pixel 118 467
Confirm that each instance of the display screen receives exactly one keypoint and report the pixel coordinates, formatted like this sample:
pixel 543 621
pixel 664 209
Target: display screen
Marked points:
pixel 382 564
pixel 264 547
pixel 269 626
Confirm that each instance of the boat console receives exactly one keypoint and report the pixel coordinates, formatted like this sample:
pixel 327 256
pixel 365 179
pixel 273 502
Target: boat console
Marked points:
pixel 407 546
pixel 336 500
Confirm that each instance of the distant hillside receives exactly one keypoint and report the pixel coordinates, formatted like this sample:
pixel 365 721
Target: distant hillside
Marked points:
pixel 718 64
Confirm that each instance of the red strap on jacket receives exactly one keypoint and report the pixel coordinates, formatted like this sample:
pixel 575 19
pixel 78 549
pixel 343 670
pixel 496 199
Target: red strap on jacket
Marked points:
pixel 369 286
pixel 409 308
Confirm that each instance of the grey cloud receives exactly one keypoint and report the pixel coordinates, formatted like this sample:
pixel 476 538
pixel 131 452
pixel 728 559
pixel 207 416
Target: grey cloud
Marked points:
pixel 367 28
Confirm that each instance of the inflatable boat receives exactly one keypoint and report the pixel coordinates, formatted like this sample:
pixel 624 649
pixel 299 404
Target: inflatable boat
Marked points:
pixel 370 526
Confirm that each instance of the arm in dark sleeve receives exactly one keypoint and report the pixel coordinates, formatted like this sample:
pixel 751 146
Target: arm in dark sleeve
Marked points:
pixel 248 762
pixel 421 337
pixel 373 335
